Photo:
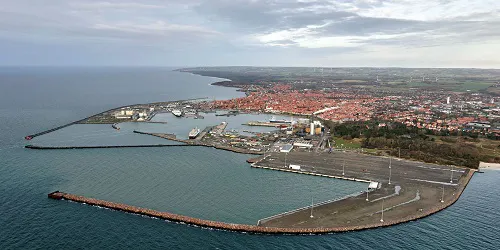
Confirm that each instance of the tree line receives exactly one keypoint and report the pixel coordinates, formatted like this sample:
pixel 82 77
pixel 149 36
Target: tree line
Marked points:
pixel 411 142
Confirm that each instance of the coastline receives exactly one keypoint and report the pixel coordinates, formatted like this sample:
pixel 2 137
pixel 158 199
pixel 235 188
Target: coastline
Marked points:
pixel 242 227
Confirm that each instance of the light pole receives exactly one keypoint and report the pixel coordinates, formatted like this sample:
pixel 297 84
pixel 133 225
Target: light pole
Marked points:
pixel 442 195
pixel 390 170
pixel 367 191
pixel 451 178
pixel 399 153
pixel 285 158
pixel 343 168
pixel 382 219
pixel 312 206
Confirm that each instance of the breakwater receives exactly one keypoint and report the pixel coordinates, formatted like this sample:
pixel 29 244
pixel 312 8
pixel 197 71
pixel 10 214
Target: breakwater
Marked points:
pixel 112 146
pixel 199 143
pixel 252 228
pixel 29 137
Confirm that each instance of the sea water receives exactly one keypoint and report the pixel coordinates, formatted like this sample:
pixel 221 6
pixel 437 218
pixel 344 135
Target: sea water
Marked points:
pixel 200 182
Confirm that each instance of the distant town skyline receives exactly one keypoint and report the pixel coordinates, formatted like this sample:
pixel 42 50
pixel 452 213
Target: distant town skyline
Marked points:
pixel 304 33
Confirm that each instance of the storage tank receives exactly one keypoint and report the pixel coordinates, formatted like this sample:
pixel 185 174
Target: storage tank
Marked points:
pixel 317 131
pixel 308 130
pixel 312 128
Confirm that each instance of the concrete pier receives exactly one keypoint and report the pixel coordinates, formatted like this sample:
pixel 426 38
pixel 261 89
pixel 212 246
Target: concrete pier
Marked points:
pixel 309 173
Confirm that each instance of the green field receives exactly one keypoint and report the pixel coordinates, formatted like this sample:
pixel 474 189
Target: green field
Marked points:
pixel 350 144
pixel 473 86
pixel 451 86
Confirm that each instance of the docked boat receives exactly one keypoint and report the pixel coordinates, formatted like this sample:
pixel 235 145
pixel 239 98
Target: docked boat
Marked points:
pixel 190 113
pixel 274 120
pixel 177 112
pixel 194 133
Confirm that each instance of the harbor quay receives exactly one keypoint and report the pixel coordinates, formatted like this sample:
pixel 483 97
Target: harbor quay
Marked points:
pixel 398 188
pixel 197 142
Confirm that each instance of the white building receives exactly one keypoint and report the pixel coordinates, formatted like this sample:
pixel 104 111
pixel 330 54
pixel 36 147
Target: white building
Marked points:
pixel 302 144
pixel 287 148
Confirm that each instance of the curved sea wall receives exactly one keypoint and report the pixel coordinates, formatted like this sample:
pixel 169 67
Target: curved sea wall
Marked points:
pixel 251 228
pixel 125 146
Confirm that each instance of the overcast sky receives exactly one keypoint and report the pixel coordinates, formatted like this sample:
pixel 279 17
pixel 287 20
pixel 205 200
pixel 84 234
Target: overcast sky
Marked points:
pixel 330 33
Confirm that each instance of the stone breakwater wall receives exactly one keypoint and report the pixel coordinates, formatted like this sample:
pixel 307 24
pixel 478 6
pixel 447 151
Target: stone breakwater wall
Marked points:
pixel 29 137
pixel 251 228
pixel 90 147
pixel 69 124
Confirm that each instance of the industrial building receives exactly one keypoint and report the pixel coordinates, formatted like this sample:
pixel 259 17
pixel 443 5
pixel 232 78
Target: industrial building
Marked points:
pixel 287 148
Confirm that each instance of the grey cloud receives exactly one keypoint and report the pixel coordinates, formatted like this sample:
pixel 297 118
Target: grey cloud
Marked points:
pixel 65 21
pixel 307 18
pixel 368 25
pixel 267 15
pixel 156 22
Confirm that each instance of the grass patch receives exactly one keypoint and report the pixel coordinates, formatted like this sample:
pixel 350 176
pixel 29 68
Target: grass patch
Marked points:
pixel 473 86
pixel 341 143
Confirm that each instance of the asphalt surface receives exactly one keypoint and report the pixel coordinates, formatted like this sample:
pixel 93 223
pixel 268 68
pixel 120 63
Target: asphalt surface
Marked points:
pixel 414 188
pixel 366 167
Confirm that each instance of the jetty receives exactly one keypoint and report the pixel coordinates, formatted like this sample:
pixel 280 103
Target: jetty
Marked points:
pixel 230 113
pixel 265 124
pixel 29 137
pixel 111 146
pixel 219 129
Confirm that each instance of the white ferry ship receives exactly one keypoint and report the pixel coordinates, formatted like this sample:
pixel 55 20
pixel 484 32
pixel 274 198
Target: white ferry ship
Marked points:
pixel 194 132
pixel 177 112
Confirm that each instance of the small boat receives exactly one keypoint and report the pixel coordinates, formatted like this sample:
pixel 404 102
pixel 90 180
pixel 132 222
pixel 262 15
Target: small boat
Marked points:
pixel 177 112
pixel 194 133
pixel 28 137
